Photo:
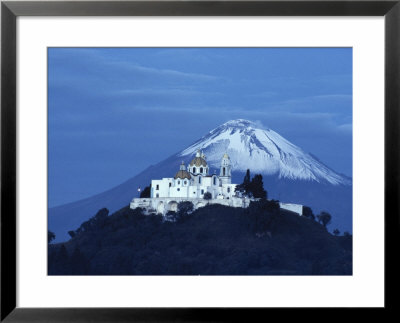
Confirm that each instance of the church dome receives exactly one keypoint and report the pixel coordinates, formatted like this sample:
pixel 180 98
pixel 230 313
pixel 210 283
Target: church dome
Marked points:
pixel 198 161
pixel 182 174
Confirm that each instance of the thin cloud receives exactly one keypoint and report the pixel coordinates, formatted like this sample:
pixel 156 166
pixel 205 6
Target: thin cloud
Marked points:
pixel 163 92
pixel 346 128
pixel 263 95
pixel 166 72
pixel 95 55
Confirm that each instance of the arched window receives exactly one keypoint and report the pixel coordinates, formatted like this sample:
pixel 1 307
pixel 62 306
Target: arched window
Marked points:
pixel 194 170
pixel 157 187
pixel 229 189
pixel 170 184
pixel 201 169
pixel 157 195
pixel 185 182
pixel 214 180
pixel 179 182
pixel 199 179
pixel 223 171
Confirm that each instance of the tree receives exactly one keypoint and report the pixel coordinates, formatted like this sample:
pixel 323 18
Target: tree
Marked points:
pixel 253 188
pixel 61 264
pixel 308 213
pixel 185 207
pixel 346 234
pixel 101 217
pixel 95 221
pixel 171 216
pixel 78 263
pixel 324 218
pixel 244 187
pixel 246 180
pixel 336 232
pixel 263 215
pixel 101 214
pixel 50 236
pixel 146 192
pixel 207 196
pixel 256 187
pixel 72 233
pixel 239 188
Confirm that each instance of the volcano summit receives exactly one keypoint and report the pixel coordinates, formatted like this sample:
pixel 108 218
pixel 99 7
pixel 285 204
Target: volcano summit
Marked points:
pixel 262 151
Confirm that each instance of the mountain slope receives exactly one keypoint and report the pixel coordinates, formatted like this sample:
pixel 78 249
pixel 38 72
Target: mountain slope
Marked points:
pixel 262 151
pixel 290 175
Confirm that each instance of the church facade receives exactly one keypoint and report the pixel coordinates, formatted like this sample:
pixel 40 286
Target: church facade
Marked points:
pixel 195 181
pixel 191 183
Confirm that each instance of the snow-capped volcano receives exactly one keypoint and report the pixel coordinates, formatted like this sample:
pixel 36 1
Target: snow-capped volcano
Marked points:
pixel 263 151
pixel 289 175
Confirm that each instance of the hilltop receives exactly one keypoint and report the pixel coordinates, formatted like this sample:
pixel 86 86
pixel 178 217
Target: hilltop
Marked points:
pixel 214 240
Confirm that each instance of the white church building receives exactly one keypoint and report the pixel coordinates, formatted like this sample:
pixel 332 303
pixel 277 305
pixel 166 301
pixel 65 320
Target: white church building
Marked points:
pixel 191 183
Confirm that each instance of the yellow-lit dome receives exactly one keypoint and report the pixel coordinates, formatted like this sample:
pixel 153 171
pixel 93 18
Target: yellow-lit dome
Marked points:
pixel 198 161
pixel 225 155
pixel 182 174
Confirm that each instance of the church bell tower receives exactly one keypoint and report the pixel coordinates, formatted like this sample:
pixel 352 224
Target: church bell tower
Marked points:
pixel 225 170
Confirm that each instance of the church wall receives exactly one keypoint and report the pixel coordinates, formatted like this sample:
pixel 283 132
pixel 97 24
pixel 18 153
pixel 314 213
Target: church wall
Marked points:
pixel 225 180
pixel 163 187
pixel 297 208
pixel 202 190
pixel 230 188
pixel 179 191
pixel 207 181
pixel 165 204
pixel 192 192
pixel 196 191
pixel 162 205
pixel 214 190
pixel 196 180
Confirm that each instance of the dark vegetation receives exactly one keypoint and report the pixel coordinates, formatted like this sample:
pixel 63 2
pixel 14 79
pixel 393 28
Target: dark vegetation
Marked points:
pixel 207 196
pixel 252 188
pixel 213 240
pixel 50 236
pixel 324 218
pixel 146 192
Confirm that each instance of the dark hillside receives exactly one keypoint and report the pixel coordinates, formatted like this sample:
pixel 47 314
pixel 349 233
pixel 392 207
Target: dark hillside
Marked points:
pixel 214 240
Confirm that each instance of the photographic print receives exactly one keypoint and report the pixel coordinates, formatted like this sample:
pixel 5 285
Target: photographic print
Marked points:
pixel 200 161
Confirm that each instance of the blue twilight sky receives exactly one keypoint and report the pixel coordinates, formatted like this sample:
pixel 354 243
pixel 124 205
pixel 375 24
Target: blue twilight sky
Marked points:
pixel 115 111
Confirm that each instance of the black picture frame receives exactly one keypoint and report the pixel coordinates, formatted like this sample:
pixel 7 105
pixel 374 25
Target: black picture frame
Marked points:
pixel 10 10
